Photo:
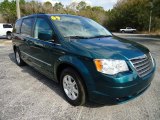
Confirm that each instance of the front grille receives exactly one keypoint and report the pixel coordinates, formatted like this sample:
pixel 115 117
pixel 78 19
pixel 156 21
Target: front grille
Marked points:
pixel 143 64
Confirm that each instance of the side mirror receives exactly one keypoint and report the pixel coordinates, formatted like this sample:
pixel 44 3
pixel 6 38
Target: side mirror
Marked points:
pixel 54 38
pixel 44 36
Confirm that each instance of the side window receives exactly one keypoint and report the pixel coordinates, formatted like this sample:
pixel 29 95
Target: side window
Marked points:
pixel 17 26
pixel 7 26
pixel 27 25
pixel 42 30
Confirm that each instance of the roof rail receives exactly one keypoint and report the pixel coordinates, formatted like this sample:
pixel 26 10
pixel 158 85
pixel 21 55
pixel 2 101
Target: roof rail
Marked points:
pixel 41 13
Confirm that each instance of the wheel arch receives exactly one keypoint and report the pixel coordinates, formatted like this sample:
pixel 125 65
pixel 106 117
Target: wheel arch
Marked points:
pixel 8 32
pixel 14 47
pixel 78 66
pixel 65 65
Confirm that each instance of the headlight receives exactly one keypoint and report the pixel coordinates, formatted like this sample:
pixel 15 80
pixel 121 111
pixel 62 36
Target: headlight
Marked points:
pixel 110 66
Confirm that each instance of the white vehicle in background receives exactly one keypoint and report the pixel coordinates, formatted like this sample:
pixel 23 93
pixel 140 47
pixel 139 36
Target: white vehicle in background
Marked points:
pixel 6 30
pixel 128 30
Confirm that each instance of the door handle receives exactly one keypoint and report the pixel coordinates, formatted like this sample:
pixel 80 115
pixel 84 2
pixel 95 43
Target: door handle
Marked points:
pixel 38 45
pixel 30 42
pixel 53 43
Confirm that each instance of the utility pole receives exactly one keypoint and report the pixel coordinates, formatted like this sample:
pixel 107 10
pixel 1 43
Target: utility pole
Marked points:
pixel 150 17
pixel 18 9
pixel 150 21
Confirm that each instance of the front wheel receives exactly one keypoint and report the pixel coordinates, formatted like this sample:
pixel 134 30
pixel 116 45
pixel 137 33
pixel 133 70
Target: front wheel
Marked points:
pixel 73 87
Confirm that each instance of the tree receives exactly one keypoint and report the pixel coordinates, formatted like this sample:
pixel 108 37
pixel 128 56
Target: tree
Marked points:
pixel 48 4
pixel 81 5
pixel 58 7
pixel 72 6
pixel 133 13
pixel 156 8
pixel 47 7
pixel 8 10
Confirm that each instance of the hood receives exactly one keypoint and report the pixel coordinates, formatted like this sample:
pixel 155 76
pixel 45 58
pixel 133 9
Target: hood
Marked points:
pixel 109 47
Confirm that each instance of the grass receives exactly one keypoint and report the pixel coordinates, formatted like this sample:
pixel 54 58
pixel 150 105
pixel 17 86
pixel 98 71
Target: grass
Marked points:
pixel 156 33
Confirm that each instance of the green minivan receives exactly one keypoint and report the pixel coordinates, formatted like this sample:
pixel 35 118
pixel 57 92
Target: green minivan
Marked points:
pixel 87 61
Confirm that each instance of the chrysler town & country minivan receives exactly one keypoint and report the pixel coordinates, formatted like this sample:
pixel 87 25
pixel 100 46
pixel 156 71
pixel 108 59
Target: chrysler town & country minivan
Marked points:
pixel 88 61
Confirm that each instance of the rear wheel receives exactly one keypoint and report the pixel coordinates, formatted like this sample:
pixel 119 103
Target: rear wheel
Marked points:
pixel 134 31
pixel 73 87
pixel 18 59
pixel 9 36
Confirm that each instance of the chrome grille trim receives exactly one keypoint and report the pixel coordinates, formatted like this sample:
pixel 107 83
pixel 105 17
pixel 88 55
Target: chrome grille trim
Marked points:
pixel 138 60
pixel 144 67
pixel 147 69
pixel 145 63
pixel 142 64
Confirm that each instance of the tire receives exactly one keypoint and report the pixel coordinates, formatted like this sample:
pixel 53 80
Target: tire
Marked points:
pixel 123 31
pixel 9 36
pixel 72 82
pixel 18 59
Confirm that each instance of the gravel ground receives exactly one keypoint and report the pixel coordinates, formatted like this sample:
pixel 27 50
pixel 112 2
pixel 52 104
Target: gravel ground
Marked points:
pixel 26 94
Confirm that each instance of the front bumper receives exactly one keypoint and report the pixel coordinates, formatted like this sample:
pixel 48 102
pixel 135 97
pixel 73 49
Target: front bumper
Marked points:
pixel 114 92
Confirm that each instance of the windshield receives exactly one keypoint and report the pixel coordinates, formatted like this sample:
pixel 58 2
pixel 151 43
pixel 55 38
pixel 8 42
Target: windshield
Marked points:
pixel 72 26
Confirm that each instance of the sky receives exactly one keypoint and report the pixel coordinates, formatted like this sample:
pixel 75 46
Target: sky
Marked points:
pixel 106 4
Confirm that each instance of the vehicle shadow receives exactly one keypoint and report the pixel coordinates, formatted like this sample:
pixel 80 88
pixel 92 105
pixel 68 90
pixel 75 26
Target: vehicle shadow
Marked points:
pixel 50 83
pixel 3 37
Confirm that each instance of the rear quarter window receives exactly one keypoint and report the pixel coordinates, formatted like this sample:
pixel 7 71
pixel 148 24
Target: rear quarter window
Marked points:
pixel 27 25
pixel 17 26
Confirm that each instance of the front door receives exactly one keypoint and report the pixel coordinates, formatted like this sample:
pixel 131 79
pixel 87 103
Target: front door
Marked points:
pixel 42 47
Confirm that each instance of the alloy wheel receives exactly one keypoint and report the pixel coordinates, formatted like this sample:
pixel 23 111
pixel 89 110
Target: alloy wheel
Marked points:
pixel 70 87
pixel 17 57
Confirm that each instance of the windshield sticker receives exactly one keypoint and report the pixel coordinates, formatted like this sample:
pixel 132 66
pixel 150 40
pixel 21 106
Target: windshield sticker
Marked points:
pixel 55 18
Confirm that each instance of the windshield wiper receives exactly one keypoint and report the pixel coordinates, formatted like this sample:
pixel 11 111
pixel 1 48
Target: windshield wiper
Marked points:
pixel 83 37
pixel 76 37
pixel 102 36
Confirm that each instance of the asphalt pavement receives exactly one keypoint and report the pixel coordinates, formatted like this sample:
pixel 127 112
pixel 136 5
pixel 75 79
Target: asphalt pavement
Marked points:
pixel 25 94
